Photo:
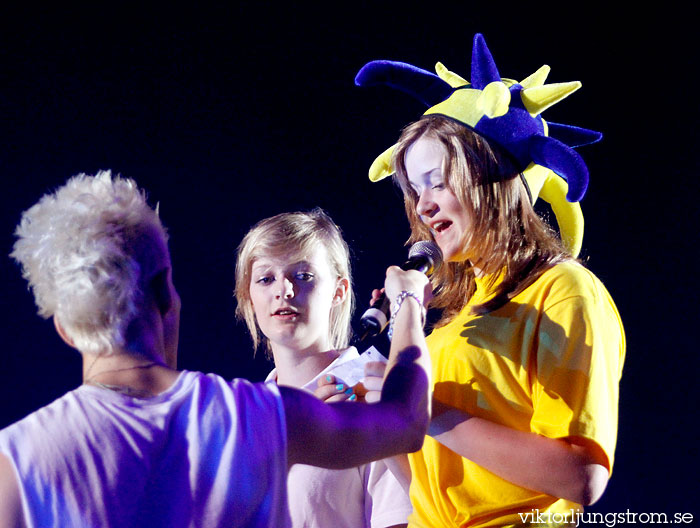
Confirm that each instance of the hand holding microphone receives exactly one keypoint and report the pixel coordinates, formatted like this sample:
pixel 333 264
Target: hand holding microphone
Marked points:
pixel 423 256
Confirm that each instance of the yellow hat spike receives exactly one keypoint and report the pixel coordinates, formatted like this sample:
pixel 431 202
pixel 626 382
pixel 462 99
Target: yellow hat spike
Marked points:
pixel 536 79
pixel 382 167
pixel 569 215
pixel 494 100
pixel 535 176
pixel 545 184
pixel 538 98
pixel 451 78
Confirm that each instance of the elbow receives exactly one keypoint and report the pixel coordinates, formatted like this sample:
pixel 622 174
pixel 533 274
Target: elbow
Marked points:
pixel 590 467
pixel 594 480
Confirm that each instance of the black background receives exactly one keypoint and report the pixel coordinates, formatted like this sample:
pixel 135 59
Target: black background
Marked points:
pixel 227 115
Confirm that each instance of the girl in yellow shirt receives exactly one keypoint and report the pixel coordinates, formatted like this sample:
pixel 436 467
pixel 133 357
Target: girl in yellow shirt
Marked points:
pixel 528 353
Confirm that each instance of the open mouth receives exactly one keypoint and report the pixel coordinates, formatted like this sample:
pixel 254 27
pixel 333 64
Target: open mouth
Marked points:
pixel 285 312
pixel 441 226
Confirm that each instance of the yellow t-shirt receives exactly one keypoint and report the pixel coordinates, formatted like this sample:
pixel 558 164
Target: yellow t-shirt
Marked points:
pixel 548 362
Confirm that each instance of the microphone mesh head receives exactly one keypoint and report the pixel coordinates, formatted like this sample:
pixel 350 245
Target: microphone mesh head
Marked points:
pixel 429 250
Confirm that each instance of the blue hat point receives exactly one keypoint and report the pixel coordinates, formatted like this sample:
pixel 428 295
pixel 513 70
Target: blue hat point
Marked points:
pixel 484 70
pixel 519 129
pixel 506 113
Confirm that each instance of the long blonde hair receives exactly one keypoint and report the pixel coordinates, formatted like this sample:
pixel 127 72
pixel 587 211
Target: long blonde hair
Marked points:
pixel 507 238
pixel 295 235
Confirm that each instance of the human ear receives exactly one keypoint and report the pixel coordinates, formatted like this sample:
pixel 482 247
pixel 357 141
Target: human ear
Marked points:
pixel 62 332
pixel 341 291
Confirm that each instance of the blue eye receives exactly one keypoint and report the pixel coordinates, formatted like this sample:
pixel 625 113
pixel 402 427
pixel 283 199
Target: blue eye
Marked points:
pixel 264 280
pixel 304 276
pixel 439 186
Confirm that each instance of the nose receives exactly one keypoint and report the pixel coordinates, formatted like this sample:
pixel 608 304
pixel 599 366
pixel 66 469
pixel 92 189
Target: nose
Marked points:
pixel 286 289
pixel 426 206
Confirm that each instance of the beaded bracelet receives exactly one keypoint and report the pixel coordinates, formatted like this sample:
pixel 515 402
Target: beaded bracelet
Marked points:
pixel 397 306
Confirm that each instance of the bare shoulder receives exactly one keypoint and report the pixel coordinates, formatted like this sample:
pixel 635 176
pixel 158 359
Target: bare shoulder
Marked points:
pixel 10 499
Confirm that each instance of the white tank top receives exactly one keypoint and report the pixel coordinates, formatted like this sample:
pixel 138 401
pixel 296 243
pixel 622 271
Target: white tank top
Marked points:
pixel 206 452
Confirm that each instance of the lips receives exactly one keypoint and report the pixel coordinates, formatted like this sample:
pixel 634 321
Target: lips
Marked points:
pixel 285 313
pixel 440 225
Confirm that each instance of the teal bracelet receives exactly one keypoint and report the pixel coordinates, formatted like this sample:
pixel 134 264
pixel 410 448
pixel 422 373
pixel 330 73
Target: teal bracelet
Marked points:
pixel 397 306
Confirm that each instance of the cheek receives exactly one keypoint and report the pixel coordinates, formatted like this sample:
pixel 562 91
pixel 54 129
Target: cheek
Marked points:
pixel 256 301
pixel 321 299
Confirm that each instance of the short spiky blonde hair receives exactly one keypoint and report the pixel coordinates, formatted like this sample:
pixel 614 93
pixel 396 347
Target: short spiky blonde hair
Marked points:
pixel 74 249
pixel 295 235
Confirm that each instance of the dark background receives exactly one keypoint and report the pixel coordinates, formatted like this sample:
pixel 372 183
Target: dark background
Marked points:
pixel 227 115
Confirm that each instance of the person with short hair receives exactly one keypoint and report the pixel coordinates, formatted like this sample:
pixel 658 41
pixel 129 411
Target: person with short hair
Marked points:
pixel 294 291
pixel 140 443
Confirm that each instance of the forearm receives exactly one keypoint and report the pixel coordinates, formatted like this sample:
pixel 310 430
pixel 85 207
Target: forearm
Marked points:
pixel 408 349
pixel 406 384
pixel 552 466
pixel 344 434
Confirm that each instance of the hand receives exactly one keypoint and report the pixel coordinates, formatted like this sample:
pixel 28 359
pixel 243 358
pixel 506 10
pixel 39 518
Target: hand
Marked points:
pixel 374 380
pixel 398 280
pixel 331 389
pixel 375 296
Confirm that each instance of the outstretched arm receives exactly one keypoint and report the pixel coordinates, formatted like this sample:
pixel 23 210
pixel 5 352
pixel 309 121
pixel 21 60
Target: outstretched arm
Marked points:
pixel 347 434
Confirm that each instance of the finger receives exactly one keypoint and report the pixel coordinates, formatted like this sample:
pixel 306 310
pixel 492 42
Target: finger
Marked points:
pixel 375 368
pixel 373 396
pixel 376 294
pixel 393 271
pixel 325 392
pixel 328 379
pixel 341 397
pixel 373 384
pixel 337 392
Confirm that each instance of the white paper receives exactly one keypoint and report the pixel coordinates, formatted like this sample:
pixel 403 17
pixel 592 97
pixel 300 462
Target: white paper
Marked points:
pixel 353 371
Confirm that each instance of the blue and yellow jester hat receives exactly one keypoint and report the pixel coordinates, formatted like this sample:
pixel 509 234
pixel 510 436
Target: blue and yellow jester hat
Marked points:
pixel 505 112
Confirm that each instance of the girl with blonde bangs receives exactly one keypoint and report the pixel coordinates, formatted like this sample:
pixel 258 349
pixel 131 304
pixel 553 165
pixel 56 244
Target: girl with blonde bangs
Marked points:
pixel 293 236
pixel 294 291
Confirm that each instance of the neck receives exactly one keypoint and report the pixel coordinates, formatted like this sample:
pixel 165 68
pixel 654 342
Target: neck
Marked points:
pixel 134 375
pixel 296 367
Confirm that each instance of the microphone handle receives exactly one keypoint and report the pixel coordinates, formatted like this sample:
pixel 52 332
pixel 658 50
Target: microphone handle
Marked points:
pixel 375 319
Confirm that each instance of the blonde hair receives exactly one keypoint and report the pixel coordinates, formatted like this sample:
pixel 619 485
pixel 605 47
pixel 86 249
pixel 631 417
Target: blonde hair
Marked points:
pixel 507 236
pixel 295 235
pixel 74 249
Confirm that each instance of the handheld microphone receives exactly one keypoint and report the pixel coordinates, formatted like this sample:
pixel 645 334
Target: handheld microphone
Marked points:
pixel 423 256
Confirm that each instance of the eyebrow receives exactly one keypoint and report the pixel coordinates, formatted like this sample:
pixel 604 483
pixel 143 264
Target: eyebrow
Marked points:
pixel 264 266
